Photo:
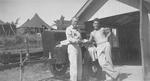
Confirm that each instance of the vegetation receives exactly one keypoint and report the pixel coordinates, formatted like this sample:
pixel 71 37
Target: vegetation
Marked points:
pixel 18 41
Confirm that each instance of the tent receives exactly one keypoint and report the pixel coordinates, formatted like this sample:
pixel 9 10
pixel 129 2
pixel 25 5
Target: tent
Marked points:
pixel 20 30
pixel 35 25
pixel 7 29
pixel 24 23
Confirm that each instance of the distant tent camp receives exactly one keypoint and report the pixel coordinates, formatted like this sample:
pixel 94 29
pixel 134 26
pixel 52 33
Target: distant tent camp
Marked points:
pixel 35 25
pixel 25 23
pixel 21 30
pixel 7 29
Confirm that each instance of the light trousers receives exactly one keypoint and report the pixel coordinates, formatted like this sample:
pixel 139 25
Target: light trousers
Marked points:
pixel 104 59
pixel 75 58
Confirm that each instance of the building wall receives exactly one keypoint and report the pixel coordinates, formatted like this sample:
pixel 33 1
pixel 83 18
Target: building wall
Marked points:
pixel 62 25
pixel 129 44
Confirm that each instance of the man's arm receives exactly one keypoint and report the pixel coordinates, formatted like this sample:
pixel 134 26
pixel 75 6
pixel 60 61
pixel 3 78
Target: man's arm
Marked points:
pixel 90 40
pixel 107 30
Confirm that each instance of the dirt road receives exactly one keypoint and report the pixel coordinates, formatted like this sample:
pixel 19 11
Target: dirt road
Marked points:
pixel 41 72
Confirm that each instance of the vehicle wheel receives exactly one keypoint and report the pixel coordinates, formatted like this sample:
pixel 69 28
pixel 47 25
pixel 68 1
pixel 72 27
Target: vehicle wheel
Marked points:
pixel 93 68
pixel 58 69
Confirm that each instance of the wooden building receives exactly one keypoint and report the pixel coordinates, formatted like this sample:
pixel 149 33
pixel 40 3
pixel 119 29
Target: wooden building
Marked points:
pixel 124 40
pixel 140 34
pixel 7 29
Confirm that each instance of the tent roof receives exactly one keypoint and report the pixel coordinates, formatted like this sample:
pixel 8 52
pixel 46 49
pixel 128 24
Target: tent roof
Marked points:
pixel 1 22
pixel 24 23
pixel 36 21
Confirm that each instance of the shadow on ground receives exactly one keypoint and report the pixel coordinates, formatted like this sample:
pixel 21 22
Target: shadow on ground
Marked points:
pixel 54 78
pixel 124 76
pixel 66 77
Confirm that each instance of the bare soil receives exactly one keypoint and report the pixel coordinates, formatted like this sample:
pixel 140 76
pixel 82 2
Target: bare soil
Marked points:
pixel 34 72
pixel 41 72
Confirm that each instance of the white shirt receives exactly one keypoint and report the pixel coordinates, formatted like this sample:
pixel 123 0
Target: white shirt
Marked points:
pixel 73 34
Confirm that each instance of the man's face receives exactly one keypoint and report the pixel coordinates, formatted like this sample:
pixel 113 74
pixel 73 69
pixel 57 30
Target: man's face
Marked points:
pixel 74 22
pixel 96 24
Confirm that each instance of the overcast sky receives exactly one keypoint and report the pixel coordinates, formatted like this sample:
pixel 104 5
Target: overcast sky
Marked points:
pixel 50 10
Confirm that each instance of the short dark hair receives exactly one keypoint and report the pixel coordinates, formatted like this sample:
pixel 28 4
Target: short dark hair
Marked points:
pixel 96 19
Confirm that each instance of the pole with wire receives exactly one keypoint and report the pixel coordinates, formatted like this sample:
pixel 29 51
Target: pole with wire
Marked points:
pixel 22 62
pixel 27 49
pixel 21 66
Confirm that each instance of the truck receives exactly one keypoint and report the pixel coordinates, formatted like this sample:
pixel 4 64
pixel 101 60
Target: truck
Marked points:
pixel 60 66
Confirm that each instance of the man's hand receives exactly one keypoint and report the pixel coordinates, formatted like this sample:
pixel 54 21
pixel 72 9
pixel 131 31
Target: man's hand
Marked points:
pixel 85 41
pixel 107 31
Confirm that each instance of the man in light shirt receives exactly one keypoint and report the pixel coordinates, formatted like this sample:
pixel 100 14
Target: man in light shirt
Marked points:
pixel 74 51
pixel 100 36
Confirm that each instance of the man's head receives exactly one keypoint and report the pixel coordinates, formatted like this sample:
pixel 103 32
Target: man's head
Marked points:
pixel 96 23
pixel 74 21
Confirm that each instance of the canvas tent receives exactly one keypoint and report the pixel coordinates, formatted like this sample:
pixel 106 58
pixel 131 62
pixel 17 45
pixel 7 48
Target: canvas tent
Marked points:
pixel 20 29
pixel 25 23
pixel 7 29
pixel 92 6
pixel 35 25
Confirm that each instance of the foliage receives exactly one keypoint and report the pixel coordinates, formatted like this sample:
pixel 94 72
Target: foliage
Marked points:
pixel 18 41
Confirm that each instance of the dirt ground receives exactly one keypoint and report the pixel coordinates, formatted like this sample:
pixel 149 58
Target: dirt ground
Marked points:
pixel 41 72
pixel 34 72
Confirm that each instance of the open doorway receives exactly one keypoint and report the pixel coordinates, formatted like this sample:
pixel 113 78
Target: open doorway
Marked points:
pixel 124 39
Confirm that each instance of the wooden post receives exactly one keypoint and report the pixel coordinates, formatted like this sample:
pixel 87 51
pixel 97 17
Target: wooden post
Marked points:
pixel 21 66
pixel 39 30
pixel 4 30
pixel 12 29
pixel 43 28
pixel 35 29
pixel 145 41
pixel 27 48
pixel 9 33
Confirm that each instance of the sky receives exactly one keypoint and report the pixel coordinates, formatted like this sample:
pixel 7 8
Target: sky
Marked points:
pixel 51 10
